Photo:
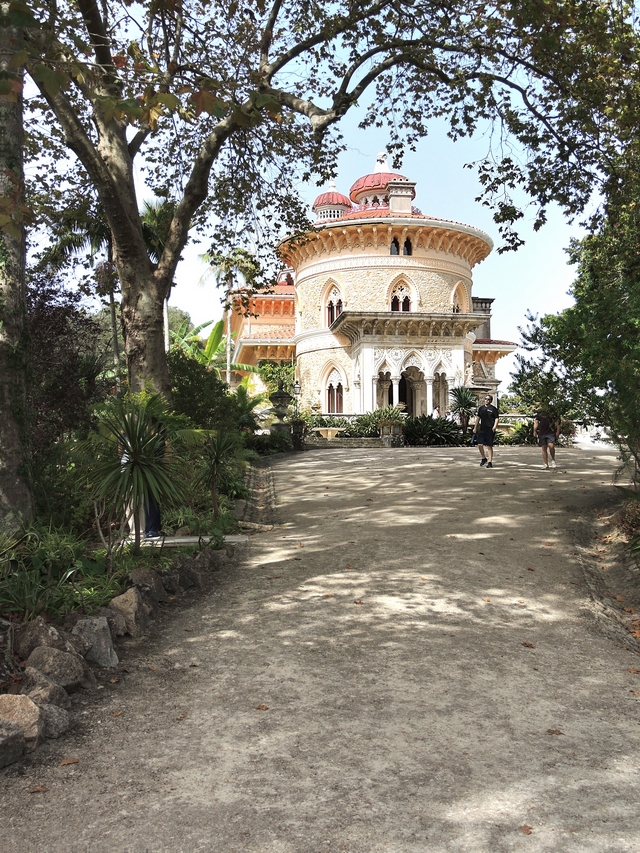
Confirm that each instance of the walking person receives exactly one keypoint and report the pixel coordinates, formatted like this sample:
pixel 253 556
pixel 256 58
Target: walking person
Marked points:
pixel 546 430
pixel 487 418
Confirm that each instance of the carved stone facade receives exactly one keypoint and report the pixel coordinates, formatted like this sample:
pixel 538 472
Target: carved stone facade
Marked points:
pixel 383 303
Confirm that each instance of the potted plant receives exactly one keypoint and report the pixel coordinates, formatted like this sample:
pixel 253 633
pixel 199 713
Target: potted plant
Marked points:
pixel 390 423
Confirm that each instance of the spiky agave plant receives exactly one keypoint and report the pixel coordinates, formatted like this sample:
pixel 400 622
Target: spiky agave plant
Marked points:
pixel 126 458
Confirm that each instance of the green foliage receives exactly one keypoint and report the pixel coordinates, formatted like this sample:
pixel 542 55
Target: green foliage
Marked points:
pixel 198 393
pixel 591 351
pixel 271 372
pixel 522 433
pixel 364 426
pixel 222 451
pixel 49 571
pixel 246 417
pixel 268 443
pixel 426 431
pixel 389 415
pixel 126 460
pixel 463 404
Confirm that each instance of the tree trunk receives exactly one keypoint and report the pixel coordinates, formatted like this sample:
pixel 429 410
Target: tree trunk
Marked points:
pixel 142 308
pixel 15 496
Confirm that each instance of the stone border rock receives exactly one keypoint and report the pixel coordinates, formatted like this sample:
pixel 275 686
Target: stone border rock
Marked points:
pixel 57 662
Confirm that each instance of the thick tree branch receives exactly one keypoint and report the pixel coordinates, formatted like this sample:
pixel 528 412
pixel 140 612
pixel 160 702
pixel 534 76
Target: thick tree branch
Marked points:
pixel 97 33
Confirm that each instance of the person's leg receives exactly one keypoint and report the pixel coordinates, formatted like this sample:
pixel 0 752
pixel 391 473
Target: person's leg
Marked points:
pixel 482 454
pixel 545 458
pixel 490 453
pixel 552 453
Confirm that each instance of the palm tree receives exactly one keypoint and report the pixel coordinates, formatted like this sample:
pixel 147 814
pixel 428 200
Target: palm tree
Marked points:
pixel 239 265
pixel 212 355
pixel 463 404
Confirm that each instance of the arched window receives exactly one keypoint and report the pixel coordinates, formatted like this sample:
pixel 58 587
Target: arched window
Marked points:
pixel 395 247
pixel 401 298
pixel 334 393
pixel 334 305
pixel 407 249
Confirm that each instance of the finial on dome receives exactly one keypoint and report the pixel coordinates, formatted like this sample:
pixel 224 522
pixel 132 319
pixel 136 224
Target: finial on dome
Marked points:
pixel 381 163
pixel 331 185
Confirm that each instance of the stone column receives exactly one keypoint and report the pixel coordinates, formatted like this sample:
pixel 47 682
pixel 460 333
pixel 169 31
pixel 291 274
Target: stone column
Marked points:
pixel 396 390
pixel 429 384
pixel 374 391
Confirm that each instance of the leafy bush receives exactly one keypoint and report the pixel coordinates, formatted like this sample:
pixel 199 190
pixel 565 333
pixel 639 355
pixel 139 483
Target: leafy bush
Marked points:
pixel 51 572
pixel 521 434
pixel 198 393
pixel 427 431
pixel 268 443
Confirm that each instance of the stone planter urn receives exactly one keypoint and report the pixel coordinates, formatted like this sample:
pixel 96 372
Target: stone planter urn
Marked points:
pixel 280 401
pixel 391 433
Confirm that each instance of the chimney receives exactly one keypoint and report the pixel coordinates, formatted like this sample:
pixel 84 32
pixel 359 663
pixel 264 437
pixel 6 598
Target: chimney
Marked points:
pixel 400 195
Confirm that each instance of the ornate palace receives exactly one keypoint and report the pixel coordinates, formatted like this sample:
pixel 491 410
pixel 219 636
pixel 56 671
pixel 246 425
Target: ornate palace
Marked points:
pixel 376 304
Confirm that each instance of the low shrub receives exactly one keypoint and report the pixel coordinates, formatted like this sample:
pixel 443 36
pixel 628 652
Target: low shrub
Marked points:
pixel 52 572
pixel 268 443
pixel 427 431
pixel 521 434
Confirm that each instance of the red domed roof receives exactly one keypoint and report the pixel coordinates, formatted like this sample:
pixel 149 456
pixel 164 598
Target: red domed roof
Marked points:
pixel 331 198
pixel 374 181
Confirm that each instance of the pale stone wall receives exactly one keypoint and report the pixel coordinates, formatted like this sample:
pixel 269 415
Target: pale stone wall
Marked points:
pixel 370 288
pixel 313 368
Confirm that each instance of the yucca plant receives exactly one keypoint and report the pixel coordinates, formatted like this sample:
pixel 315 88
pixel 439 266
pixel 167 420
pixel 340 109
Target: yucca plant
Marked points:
pixel 463 404
pixel 220 449
pixel 126 458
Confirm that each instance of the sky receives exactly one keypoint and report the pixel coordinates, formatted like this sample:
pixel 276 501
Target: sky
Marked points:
pixel 536 278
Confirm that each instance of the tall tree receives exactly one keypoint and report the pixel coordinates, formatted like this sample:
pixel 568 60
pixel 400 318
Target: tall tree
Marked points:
pixel 15 496
pixel 591 351
pixel 228 104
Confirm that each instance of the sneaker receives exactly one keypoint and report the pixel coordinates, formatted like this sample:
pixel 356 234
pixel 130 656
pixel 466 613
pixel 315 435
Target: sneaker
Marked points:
pixel 483 462
pixel 552 464
pixel 544 467
pixel 489 465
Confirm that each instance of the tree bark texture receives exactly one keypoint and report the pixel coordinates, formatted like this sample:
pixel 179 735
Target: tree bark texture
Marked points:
pixel 15 496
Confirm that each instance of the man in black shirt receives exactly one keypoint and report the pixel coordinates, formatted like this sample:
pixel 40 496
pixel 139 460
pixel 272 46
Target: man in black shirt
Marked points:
pixel 488 418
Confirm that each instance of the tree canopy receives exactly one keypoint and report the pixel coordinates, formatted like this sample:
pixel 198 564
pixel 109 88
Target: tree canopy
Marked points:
pixel 222 107
pixel 591 351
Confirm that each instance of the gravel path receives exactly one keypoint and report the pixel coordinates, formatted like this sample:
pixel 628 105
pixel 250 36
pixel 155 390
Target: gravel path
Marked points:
pixel 408 663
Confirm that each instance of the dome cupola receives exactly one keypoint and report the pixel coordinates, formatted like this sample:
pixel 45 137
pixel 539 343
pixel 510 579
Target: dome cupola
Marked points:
pixel 371 190
pixel 331 204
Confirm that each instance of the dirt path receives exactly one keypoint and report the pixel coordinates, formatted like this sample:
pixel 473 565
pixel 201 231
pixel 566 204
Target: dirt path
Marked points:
pixel 407 664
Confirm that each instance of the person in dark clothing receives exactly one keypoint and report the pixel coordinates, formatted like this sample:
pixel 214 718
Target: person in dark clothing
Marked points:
pixel 546 430
pixel 487 418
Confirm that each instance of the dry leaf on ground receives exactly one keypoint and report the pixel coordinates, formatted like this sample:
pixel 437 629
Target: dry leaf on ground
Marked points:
pixel 117 714
pixel 38 789
pixel 554 732
pixel 526 829
pixel 262 707
pixel 528 645
pixel 359 601
pixel 66 761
